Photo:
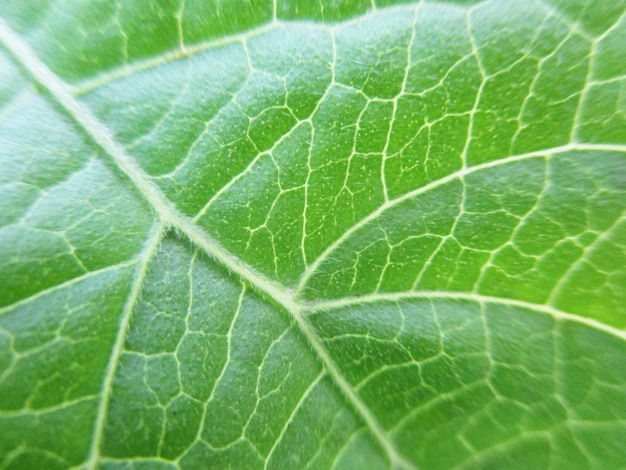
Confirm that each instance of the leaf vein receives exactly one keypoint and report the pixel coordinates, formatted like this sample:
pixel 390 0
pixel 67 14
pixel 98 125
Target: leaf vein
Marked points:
pixel 557 314
pixel 460 174
pixel 105 393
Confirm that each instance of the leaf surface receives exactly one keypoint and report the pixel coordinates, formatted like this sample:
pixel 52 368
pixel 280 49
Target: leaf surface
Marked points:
pixel 292 234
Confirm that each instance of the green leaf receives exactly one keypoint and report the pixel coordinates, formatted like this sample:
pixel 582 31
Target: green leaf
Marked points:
pixel 296 234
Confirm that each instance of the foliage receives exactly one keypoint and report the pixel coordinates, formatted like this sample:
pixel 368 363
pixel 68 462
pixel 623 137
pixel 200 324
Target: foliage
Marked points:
pixel 312 234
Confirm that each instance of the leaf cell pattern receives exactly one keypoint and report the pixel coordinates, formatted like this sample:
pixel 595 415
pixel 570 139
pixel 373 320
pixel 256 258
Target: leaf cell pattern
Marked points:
pixel 361 234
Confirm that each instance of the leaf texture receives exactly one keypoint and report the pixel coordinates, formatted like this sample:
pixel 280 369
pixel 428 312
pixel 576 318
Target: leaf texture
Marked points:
pixel 293 234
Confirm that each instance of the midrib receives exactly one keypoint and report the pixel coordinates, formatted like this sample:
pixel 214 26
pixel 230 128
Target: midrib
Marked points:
pixel 170 217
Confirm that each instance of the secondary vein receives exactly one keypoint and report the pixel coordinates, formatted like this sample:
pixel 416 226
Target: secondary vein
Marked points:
pixel 105 393
pixel 460 174
pixel 66 284
pixel 557 314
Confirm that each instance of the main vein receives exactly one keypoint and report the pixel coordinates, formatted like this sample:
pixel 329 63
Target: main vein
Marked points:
pixel 169 216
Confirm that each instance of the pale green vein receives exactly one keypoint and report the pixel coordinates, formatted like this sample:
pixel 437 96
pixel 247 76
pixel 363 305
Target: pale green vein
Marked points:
pixel 289 420
pixel 169 216
pixel 170 56
pixel 220 377
pixel 460 174
pixel 589 77
pixel 9 460
pixel 16 102
pixel 12 455
pixel 180 13
pixel 395 100
pixel 185 51
pixel 508 446
pixel 557 314
pixel 105 393
pixel 481 88
pixel 375 427
pixel 135 462
pixel 467 389
pixel 587 252
pixel 48 409
pixel 552 10
pixel 65 285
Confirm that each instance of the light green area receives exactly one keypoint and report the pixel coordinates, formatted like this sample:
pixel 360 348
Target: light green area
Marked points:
pixel 296 234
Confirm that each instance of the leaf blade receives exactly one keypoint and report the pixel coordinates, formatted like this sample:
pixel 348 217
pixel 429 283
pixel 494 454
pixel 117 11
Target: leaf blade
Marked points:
pixel 423 206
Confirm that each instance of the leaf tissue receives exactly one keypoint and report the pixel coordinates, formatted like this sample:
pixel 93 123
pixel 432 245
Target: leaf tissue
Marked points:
pixel 297 234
